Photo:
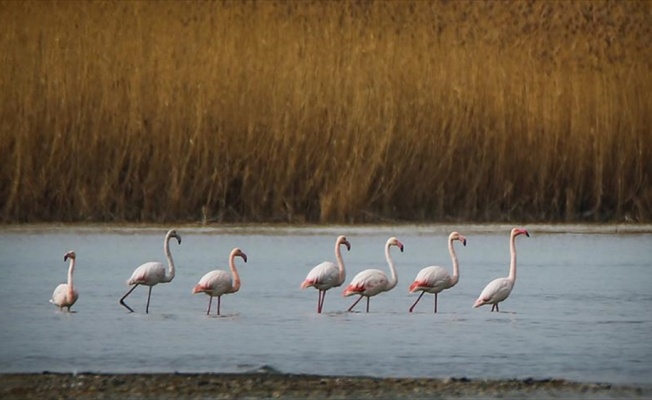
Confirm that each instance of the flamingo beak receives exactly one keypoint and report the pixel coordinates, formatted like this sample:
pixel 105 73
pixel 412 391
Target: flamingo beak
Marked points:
pixel 348 246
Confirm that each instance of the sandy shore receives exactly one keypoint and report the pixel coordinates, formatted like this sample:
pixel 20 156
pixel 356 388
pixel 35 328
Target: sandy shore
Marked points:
pixel 270 386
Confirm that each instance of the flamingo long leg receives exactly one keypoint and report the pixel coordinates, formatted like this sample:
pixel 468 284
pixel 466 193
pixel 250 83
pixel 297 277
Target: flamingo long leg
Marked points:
pixel 210 301
pixel 219 303
pixel 149 294
pixel 415 303
pixel 436 302
pixel 356 302
pixel 321 303
pixel 368 304
pixel 319 300
pixel 497 310
pixel 122 300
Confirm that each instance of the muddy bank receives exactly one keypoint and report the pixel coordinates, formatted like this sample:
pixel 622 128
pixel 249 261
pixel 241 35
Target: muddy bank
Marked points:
pixel 269 386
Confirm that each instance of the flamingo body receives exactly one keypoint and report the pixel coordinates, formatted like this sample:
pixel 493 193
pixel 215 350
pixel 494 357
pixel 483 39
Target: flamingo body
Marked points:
pixel 431 280
pixel 499 289
pixel 327 275
pixel 217 282
pixel 368 283
pixel 495 292
pixel 62 297
pixel 148 274
pixel 323 277
pixel 65 294
pixel 372 282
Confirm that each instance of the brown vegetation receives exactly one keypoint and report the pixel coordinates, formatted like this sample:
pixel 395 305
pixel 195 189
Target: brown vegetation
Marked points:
pixel 326 111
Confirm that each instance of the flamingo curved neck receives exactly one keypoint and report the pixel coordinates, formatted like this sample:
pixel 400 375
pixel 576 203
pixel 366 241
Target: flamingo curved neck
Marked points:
pixel 456 266
pixel 234 271
pixel 393 281
pixel 512 264
pixel 168 255
pixel 340 263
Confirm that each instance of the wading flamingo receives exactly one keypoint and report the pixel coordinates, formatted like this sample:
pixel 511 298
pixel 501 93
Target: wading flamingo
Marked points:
pixel 435 279
pixel 153 272
pixel 327 274
pixel 218 282
pixel 371 282
pixel 500 288
pixel 65 294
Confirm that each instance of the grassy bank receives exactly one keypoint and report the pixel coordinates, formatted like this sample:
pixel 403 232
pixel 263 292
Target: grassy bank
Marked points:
pixel 326 111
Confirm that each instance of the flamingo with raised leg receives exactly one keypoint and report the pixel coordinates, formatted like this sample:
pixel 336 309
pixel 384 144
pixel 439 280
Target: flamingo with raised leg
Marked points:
pixel 435 279
pixel 216 283
pixel 153 272
pixel 500 288
pixel 327 274
pixel 65 294
pixel 371 282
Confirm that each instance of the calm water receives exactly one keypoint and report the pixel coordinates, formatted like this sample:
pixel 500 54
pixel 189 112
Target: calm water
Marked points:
pixel 581 308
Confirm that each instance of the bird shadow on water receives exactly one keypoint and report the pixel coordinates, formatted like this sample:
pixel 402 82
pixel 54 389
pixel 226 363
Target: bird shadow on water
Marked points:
pixel 223 316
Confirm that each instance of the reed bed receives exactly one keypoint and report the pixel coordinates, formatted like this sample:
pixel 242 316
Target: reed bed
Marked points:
pixel 330 112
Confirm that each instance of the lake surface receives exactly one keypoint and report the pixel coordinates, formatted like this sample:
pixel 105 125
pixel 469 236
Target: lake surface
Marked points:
pixel 581 308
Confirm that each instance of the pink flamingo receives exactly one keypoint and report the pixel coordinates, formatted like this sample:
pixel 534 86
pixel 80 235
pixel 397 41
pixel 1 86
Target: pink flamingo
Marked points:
pixel 371 282
pixel 216 283
pixel 152 273
pixel 436 279
pixel 500 288
pixel 327 275
pixel 65 294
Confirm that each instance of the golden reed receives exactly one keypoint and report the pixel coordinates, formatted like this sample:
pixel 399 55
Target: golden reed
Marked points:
pixel 320 111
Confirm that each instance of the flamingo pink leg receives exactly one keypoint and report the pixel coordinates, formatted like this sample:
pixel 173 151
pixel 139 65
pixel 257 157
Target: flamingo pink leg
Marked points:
pixel 149 294
pixel 210 301
pixel 122 300
pixel 320 301
pixel 356 302
pixel 415 303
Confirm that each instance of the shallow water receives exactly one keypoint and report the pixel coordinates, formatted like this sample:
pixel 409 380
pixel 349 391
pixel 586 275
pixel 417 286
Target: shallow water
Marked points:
pixel 581 308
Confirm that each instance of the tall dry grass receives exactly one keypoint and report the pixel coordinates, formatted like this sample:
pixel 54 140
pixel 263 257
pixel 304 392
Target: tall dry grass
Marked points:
pixel 326 111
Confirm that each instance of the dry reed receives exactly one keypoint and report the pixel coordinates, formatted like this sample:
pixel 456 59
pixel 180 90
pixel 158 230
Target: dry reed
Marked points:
pixel 326 111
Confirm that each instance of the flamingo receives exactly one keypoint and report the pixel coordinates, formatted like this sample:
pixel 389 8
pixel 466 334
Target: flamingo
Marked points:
pixel 327 274
pixel 500 288
pixel 435 279
pixel 153 272
pixel 65 294
pixel 216 283
pixel 371 282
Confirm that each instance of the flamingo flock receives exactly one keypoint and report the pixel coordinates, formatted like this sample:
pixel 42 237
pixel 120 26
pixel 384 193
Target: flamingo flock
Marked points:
pixel 323 277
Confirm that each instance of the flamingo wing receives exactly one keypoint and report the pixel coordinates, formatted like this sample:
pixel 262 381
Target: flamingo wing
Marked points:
pixel 431 279
pixel 369 282
pixel 495 292
pixel 215 283
pixel 323 276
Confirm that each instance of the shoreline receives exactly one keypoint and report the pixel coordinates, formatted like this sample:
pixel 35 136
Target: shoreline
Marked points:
pixel 88 385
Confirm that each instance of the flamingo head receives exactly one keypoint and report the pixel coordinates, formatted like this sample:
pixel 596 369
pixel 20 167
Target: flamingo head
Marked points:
pixel 457 236
pixel 239 253
pixel 71 254
pixel 395 242
pixel 173 234
pixel 520 231
pixel 342 240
